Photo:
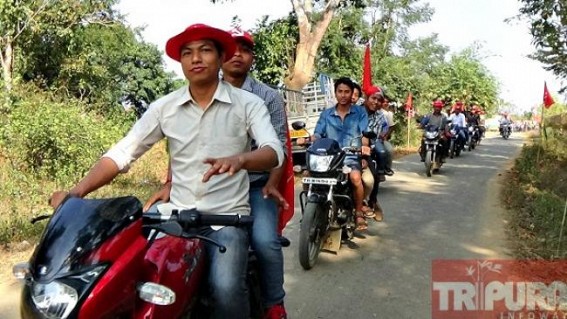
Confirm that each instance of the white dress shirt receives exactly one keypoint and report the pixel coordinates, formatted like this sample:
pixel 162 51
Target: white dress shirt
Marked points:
pixel 458 119
pixel 225 128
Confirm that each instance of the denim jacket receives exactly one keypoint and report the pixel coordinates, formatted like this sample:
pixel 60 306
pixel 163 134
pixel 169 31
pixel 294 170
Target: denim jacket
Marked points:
pixel 331 126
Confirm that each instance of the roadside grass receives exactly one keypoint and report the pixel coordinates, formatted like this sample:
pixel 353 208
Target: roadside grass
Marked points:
pixel 24 196
pixel 535 195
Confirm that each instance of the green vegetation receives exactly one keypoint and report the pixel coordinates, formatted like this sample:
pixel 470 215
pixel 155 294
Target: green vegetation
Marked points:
pixel 536 195
pixel 69 70
pixel 548 19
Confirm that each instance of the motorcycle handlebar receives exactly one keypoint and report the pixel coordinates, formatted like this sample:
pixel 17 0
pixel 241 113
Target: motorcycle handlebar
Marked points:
pixel 193 218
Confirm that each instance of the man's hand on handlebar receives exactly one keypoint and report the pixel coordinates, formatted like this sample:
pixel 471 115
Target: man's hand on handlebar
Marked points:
pixel 161 195
pixel 365 150
pixel 56 198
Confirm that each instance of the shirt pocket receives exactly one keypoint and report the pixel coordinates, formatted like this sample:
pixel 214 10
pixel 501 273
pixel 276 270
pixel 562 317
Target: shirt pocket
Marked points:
pixel 224 146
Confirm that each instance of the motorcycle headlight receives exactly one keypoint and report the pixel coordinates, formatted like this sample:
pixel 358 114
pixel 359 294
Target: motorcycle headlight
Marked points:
pixel 54 300
pixel 320 163
pixel 453 131
pixel 430 135
pixel 471 129
pixel 57 299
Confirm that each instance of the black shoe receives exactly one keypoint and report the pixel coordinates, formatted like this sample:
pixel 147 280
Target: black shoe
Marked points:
pixel 423 160
pixel 389 172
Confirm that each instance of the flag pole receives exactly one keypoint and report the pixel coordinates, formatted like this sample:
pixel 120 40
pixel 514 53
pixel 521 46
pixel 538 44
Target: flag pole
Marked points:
pixel 561 229
pixel 409 132
pixel 541 133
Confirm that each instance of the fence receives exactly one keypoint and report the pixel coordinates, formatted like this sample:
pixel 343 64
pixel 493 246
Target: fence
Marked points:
pixel 306 105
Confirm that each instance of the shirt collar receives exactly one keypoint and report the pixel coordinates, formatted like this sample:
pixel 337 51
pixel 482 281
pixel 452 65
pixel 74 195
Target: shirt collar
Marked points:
pixel 247 84
pixel 351 109
pixel 221 94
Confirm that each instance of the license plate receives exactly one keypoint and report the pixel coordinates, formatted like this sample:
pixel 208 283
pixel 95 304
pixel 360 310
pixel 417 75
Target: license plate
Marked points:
pixel 431 143
pixel 297 134
pixel 319 181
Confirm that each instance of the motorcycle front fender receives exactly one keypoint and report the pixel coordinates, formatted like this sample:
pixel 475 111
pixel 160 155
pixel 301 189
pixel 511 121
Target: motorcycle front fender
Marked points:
pixel 317 198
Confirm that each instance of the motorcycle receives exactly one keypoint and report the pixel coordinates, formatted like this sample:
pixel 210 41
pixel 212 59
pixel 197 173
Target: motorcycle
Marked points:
pixel 104 258
pixel 456 143
pixel 327 205
pixel 505 130
pixel 433 153
pixel 297 131
pixel 474 137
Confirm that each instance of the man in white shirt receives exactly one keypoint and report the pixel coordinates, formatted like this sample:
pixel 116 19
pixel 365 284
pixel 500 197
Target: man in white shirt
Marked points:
pixel 209 125
pixel 389 115
pixel 459 121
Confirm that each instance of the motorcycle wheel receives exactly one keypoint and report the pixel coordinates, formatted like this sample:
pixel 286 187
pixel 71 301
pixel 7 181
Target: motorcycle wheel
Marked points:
pixel 428 163
pixel 470 145
pixel 452 149
pixel 310 236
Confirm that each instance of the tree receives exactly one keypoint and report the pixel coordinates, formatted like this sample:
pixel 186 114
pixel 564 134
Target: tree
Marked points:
pixel 22 20
pixel 274 48
pixel 548 25
pixel 313 18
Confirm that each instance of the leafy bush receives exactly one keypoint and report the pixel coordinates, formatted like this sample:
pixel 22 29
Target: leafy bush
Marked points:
pixel 56 140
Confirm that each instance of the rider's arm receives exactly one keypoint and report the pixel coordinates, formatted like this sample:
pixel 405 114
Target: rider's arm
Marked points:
pixel 270 151
pixel 424 121
pixel 363 121
pixel 320 127
pixel 102 173
pixel 385 129
pixel 145 132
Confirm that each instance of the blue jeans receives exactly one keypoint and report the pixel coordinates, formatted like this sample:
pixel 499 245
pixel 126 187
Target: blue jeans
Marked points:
pixel 381 155
pixel 389 150
pixel 227 272
pixel 266 245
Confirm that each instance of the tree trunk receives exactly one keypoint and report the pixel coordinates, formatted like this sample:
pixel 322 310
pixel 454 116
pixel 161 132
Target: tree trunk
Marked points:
pixel 309 40
pixel 7 61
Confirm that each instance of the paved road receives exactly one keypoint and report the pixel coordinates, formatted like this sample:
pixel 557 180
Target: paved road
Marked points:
pixel 385 273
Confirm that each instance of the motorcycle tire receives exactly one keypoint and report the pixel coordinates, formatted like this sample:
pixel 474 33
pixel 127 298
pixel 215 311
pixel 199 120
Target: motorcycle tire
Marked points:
pixel 428 163
pixel 310 235
pixel 452 149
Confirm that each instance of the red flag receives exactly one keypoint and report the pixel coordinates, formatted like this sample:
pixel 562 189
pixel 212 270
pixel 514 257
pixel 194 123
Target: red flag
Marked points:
pixel 367 70
pixel 287 188
pixel 547 99
pixel 409 102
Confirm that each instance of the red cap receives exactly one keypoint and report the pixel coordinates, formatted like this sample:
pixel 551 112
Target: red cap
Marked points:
pixel 239 34
pixel 374 90
pixel 197 32
pixel 438 104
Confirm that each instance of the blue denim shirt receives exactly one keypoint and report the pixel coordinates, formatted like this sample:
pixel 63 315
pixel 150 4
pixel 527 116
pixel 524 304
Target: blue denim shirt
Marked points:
pixel 330 124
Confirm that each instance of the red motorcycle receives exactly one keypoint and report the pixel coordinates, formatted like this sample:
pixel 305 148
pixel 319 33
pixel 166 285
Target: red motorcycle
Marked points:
pixel 104 258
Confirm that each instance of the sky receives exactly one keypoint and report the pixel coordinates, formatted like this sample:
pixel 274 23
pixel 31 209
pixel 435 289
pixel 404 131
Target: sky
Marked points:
pixel 458 23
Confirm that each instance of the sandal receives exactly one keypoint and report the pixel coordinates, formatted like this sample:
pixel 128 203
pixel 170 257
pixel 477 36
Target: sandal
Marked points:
pixel 360 221
pixel 368 212
pixel 378 212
